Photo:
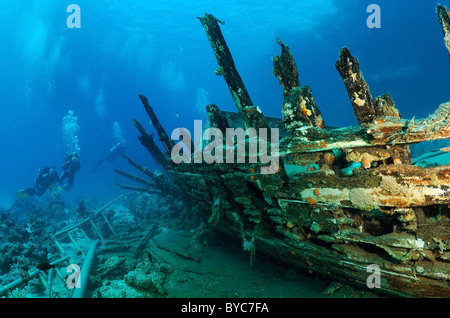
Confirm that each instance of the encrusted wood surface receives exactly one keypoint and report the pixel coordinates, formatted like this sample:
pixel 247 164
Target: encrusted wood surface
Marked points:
pixel 444 20
pixel 299 107
pixel 342 199
pixel 357 88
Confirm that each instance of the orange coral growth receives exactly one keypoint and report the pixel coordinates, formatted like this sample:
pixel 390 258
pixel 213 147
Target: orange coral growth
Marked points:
pixel 293 252
pixel 311 201
pixel 252 170
pixel 329 158
pixel 366 162
pixel 305 112
pixel 316 192
pixel 398 202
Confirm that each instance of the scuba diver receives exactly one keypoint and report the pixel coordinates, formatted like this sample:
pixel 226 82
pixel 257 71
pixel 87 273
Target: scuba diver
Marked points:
pixel 114 152
pixel 46 177
pixel 70 167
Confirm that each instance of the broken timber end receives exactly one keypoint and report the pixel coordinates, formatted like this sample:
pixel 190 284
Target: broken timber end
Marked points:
pixel 285 69
pixel 444 20
pixel 357 88
pixel 299 107
pixel 250 114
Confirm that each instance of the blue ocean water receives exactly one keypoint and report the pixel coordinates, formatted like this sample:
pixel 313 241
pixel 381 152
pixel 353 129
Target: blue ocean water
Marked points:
pixel 158 48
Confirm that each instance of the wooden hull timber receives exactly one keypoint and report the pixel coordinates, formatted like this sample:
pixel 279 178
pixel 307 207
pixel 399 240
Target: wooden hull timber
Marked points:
pixel 342 199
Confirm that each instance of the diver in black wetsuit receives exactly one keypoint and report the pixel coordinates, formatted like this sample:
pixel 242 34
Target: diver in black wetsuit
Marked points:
pixel 46 177
pixel 70 167
pixel 114 152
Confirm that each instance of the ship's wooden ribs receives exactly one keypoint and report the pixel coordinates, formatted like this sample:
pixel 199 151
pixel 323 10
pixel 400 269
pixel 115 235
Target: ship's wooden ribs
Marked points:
pixel 134 178
pixel 148 142
pixel 157 181
pixel 434 127
pixel 299 107
pixel 357 88
pixel 384 132
pixel 141 168
pixel 251 115
pixel 444 20
pixel 165 140
pixel 217 119
pixel 140 189
pixel 384 106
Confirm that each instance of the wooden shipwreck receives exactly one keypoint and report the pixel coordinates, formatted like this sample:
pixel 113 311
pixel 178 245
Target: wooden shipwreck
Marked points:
pixel 341 200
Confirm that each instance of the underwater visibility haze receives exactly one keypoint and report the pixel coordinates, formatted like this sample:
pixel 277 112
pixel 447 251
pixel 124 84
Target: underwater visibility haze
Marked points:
pixel 158 48
pixel 76 90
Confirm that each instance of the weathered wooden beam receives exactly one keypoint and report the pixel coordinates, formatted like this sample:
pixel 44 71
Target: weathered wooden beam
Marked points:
pixel 384 106
pixel 217 119
pixel 147 141
pixel 140 168
pixel 285 69
pixel 134 178
pixel 251 115
pixel 299 107
pixel 161 184
pixel 386 132
pixel 434 127
pixel 140 189
pixel 357 88
pixel 163 137
pixel 376 188
pixel 153 229
pixel 444 20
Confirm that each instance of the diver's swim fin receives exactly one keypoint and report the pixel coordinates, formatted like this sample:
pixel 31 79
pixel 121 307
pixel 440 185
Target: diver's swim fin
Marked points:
pixel 22 194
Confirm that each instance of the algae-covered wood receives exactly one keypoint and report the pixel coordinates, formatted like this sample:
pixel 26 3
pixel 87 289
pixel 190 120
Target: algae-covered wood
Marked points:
pixel 342 199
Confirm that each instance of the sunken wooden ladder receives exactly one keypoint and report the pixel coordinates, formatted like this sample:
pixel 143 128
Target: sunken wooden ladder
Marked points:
pixel 70 232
